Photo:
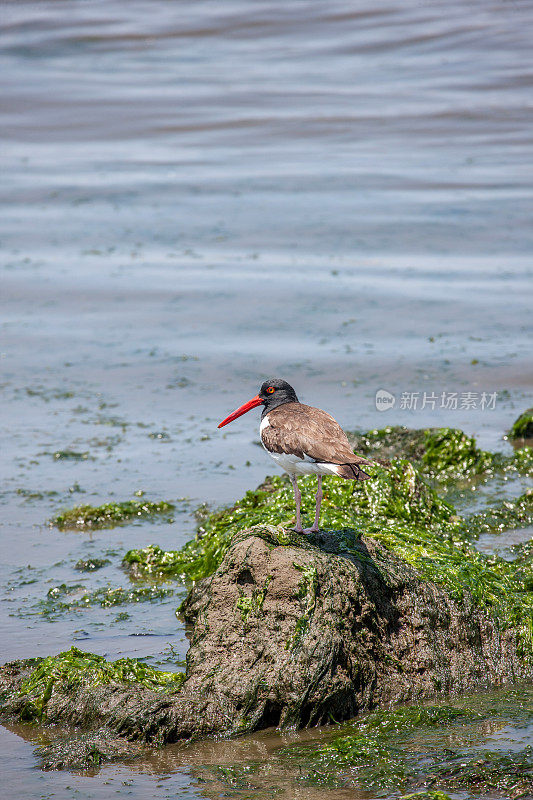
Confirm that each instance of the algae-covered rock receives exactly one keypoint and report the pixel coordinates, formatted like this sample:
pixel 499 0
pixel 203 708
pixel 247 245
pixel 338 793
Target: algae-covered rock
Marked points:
pixel 43 685
pixel 342 625
pixel 523 427
pixel 289 631
pixel 91 564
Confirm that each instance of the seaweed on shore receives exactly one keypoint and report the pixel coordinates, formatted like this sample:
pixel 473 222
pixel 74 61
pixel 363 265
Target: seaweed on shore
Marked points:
pixel 73 597
pixel 415 752
pixel 109 515
pixel 502 516
pixel 443 454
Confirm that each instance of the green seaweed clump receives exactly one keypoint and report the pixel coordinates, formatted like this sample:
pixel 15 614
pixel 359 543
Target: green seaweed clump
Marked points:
pixel 153 560
pixel 523 427
pixel 87 751
pixel 63 455
pixel 105 597
pixel 369 755
pixel 507 514
pixel 391 442
pixel 396 494
pixel 110 514
pixel 252 605
pixel 75 668
pixel 450 453
pixel 307 594
pixel 488 772
pixel 521 461
pixel 443 454
pixel 417 752
pixel 91 564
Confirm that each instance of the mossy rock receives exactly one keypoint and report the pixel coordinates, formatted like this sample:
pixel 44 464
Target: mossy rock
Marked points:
pixel 523 427
pixel 343 625
pixel 43 684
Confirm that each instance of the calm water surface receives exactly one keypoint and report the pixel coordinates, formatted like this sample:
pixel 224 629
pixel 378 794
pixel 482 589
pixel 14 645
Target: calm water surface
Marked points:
pixel 196 195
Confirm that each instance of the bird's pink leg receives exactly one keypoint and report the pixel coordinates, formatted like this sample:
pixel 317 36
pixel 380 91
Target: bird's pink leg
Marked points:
pixel 297 498
pixel 314 529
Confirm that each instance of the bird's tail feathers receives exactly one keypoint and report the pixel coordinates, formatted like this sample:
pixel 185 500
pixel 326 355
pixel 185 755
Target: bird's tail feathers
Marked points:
pixel 352 472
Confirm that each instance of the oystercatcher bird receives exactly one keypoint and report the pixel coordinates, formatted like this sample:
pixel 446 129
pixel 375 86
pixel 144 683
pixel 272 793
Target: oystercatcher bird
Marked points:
pixel 302 440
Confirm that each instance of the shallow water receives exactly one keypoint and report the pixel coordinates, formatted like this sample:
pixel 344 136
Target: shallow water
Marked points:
pixel 197 195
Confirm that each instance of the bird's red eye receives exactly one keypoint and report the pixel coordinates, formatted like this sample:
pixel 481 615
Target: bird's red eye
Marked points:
pixel 270 390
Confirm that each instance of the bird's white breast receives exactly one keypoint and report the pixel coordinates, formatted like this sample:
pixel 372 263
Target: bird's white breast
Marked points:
pixel 265 422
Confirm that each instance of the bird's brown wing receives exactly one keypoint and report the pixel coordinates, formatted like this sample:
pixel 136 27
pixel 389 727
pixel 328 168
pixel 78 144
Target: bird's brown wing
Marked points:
pixel 306 431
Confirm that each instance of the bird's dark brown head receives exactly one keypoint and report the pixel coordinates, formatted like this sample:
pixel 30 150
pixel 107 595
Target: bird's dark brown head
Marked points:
pixel 273 393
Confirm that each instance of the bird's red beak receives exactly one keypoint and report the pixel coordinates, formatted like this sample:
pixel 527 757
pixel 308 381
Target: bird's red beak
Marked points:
pixel 255 401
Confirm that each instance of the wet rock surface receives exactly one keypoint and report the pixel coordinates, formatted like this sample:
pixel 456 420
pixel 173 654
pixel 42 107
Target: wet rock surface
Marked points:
pixel 291 631
pixel 295 632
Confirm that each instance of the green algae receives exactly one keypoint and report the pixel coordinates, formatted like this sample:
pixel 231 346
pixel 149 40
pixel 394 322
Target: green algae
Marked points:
pixel 443 454
pixel 522 555
pixel 110 514
pixel 252 605
pixel 450 453
pixel 29 495
pixel 109 596
pixel 105 597
pixel 505 515
pixel 523 427
pixel 64 589
pixel 86 751
pixel 440 452
pixel 389 442
pixel 308 586
pixel 76 668
pixel 369 754
pixel 70 455
pixel 307 594
pixel 418 751
pixel 396 493
pixel 91 564
pixel 522 461
pixel 490 771
pixel 367 749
